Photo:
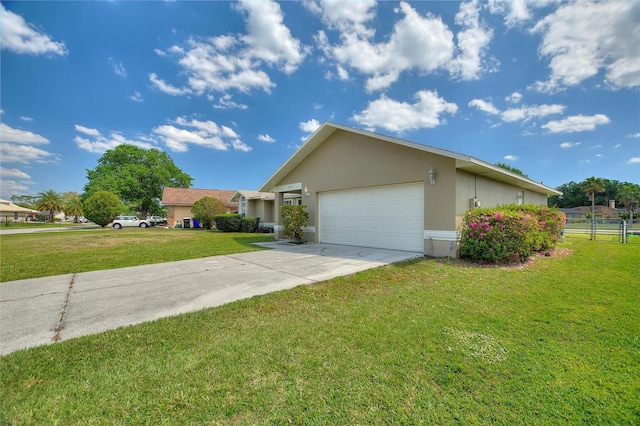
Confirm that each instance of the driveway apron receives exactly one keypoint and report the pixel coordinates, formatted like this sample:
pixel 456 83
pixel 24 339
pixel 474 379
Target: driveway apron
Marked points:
pixel 41 311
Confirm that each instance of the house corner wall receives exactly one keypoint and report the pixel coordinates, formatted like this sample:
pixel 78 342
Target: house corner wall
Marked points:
pixel 440 237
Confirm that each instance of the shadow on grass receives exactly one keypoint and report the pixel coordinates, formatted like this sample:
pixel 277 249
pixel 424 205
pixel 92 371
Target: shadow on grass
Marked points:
pixel 249 239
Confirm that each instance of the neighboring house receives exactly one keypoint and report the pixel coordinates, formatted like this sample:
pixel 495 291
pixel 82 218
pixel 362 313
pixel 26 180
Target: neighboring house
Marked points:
pixel 575 213
pixel 366 189
pixel 10 212
pixel 600 211
pixel 179 202
pixel 261 205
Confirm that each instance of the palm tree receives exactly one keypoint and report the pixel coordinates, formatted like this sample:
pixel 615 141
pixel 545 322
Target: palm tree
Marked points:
pixel 591 186
pixel 73 207
pixel 49 200
pixel 629 194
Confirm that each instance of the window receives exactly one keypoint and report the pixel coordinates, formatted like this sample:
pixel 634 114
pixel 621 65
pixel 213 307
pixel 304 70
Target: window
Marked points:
pixel 293 202
pixel 242 206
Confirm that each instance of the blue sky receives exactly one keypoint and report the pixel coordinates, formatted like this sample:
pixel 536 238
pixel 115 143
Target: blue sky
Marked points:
pixel 230 90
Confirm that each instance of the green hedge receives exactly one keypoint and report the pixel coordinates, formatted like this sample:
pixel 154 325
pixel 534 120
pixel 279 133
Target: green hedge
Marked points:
pixel 250 224
pixel 509 233
pixel 231 222
pixel 234 222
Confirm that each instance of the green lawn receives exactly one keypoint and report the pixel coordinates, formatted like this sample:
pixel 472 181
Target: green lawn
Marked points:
pixel 44 254
pixel 422 342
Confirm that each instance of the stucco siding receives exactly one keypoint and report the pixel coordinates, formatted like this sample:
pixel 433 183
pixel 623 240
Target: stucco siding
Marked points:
pixel 262 209
pixel 490 193
pixel 347 161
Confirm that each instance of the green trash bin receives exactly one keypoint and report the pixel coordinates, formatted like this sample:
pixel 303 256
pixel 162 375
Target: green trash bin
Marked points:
pixel 186 222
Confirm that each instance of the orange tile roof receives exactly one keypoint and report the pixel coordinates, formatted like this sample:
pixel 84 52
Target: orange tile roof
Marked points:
pixel 188 196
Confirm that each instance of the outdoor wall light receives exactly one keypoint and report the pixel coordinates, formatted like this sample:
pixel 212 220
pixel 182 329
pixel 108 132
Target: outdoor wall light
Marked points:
pixel 519 198
pixel 432 177
pixel 306 192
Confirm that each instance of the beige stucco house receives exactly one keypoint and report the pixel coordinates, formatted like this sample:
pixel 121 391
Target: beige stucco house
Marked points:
pixel 262 205
pixel 10 212
pixel 366 189
pixel 179 202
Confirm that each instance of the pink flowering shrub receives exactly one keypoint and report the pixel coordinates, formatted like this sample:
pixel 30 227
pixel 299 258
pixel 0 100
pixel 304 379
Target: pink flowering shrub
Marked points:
pixel 510 233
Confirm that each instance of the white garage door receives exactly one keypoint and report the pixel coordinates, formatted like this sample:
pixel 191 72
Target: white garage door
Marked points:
pixel 386 217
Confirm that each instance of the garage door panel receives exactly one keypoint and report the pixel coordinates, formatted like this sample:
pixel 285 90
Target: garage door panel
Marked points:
pixel 386 217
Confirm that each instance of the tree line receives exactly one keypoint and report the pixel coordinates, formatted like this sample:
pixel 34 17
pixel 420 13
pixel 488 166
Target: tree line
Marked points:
pixel 127 180
pixel 597 191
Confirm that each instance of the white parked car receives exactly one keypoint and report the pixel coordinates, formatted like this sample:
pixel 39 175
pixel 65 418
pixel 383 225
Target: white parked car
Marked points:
pixel 157 220
pixel 122 221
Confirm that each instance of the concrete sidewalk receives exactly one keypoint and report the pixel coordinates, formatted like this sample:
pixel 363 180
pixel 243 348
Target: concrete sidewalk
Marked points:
pixel 41 311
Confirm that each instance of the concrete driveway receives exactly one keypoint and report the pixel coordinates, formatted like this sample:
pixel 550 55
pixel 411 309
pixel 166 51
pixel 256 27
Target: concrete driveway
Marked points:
pixel 41 311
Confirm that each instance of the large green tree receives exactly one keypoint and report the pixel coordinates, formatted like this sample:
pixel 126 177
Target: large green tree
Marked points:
pixel 137 176
pixel 205 209
pixel 50 201
pixel 102 207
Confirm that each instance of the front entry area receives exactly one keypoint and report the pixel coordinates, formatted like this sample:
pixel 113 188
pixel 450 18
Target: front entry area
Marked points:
pixel 390 217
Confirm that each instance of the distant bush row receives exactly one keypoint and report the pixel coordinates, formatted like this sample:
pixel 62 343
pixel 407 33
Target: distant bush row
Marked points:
pixel 509 233
pixel 234 222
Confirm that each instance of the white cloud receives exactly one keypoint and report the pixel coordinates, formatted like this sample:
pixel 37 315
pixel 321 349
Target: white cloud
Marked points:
pixel 484 106
pixel 202 133
pixel 9 134
pixel 236 62
pixel 12 173
pixel 526 112
pixel 617 146
pixel 11 187
pixel 268 39
pixel 228 132
pixel 472 42
pixel 20 37
pixel 511 157
pixel 421 43
pixel 136 97
pixel 635 135
pixel 226 102
pixel 118 68
pixel 585 38
pixel 98 143
pixel 634 160
pixel 25 154
pixel 166 87
pixel 24 118
pixel 345 16
pixel 309 126
pixel 395 116
pixel 266 138
pixel 514 98
pixel 87 131
pixel 565 145
pixel 576 123
pixel 238 145
pixel 516 12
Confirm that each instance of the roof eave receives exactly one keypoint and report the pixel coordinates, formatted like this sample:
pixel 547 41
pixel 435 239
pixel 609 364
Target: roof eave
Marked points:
pixel 482 168
pixel 463 162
